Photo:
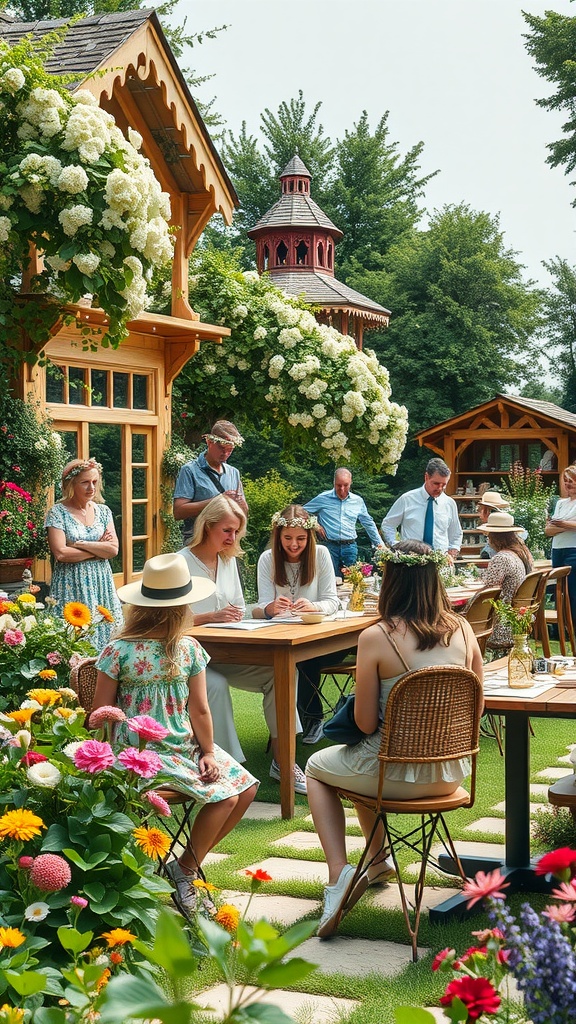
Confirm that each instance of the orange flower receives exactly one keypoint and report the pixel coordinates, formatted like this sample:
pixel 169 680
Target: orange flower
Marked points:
pixel 77 614
pixel 116 958
pixel 228 916
pixel 20 824
pixel 22 715
pixel 105 613
pixel 42 695
pixel 118 937
pixel 11 1014
pixel 48 673
pixel 66 713
pixel 104 978
pixel 259 875
pixel 153 841
pixel 11 938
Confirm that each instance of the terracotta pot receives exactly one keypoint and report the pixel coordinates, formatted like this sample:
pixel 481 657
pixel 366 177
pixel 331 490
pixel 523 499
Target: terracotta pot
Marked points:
pixel 11 569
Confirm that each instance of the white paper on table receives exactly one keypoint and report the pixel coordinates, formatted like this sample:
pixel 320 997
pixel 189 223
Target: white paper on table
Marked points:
pixel 247 624
pixel 496 685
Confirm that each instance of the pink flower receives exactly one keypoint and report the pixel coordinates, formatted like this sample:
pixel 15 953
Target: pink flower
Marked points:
pixel 444 954
pixel 567 891
pixel 485 885
pixel 25 863
pixel 79 901
pixel 560 914
pixel 158 803
pixel 14 638
pixel 107 713
pixel 142 762
pixel 147 728
pixel 53 658
pixel 32 757
pixel 49 872
pixel 93 756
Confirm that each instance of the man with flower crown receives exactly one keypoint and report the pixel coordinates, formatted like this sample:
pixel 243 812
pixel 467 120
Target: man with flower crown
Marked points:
pixel 209 475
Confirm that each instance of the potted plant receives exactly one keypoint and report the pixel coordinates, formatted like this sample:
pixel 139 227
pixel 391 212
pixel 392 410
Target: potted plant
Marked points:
pixel 19 531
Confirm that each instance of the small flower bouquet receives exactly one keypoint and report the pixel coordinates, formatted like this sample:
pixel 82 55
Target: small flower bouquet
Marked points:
pixel 19 527
pixel 357 573
pixel 520 620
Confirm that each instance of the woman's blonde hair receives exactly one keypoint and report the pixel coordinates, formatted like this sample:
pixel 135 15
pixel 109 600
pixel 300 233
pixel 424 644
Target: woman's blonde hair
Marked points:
pixel 167 624
pixel 308 558
pixel 212 514
pixel 72 470
pixel 570 471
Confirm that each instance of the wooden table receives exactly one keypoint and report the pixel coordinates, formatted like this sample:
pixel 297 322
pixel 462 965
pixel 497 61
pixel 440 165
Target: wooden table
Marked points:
pixel 556 702
pixel 282 646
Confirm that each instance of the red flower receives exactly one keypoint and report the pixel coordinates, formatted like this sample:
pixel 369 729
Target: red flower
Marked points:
pixel 471 951
pixel 561 863
pixel 485 885
pixel 442 956
pixel 32 757
pixel 259 875
pixel 478 995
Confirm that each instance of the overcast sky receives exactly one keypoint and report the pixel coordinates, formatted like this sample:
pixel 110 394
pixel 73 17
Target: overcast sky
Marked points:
pixel 453 73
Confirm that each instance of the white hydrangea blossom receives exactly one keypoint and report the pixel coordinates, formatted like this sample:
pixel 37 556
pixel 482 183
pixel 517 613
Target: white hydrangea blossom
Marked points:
pixel 72 179
pixel 75 217
pixel 275 365
pixel 12 80
pixel 5 228
pixel 260 333
pixel 87 262
pixel 233 390
pixel 318 411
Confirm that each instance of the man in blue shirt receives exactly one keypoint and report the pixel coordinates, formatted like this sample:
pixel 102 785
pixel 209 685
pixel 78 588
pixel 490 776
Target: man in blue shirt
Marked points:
pixel 207 476
pixel 338 512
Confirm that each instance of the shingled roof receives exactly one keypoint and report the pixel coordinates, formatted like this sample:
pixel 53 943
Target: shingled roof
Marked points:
pixel 326 291
pixel 297 211
pixel 295 168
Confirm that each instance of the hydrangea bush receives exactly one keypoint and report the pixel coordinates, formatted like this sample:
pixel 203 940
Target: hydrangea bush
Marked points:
pixel 280 363
pixel 77 189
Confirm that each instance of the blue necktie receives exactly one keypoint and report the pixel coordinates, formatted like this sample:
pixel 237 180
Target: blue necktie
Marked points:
pixel 429 523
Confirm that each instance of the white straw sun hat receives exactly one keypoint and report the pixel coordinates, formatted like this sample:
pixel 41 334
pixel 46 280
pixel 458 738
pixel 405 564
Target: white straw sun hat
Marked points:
pixel 499 522
pixel 166 582
pixel 494 500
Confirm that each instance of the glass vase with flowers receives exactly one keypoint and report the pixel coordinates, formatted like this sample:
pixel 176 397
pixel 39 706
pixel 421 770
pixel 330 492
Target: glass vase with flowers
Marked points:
pixel 357 574
pixel 520 658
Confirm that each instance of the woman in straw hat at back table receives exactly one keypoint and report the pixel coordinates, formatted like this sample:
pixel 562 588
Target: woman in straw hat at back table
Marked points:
pixel 508 567
pixel 152 668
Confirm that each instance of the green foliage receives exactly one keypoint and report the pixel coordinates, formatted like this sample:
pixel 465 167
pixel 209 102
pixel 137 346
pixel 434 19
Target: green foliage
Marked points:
pixel 529 503
pixel 265 496
pixel 554 828
pixel 559 309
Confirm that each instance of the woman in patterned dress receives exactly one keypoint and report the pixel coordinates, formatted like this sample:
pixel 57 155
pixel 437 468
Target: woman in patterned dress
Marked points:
pixel 507 568
pixel 82 539
pixel 152 668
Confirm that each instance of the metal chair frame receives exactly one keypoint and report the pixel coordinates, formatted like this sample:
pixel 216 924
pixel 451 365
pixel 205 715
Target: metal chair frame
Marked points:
pixel 432 715
pixel 561 616
pixel 332 672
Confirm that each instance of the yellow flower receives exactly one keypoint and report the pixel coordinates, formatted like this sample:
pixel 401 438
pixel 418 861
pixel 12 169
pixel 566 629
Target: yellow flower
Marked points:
pixel 12 607
pixel 153 841
pixel 228 916
pixel 118 937
pixel 207 886
pixel 20 824
pixel 11 938
pixel 26 599
pixel 44 696
pixel 21 715
pixel 48 673
pixel 77 614
pixel 11 1015
pixel 66 713
pixel 105 613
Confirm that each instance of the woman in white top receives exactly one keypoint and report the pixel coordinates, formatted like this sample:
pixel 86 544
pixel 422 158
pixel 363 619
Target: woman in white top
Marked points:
pixel 418 629
pixel 562 528
pixel 215 545
pixel 296 575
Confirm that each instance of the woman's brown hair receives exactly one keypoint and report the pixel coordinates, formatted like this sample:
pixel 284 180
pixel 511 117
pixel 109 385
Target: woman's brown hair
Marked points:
pixel 512 542
pixel 152 622
pixel 308 558
pixel 416 594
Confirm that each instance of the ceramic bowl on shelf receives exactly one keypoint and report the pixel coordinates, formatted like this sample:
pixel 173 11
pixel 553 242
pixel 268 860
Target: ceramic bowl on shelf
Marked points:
pixel 309 618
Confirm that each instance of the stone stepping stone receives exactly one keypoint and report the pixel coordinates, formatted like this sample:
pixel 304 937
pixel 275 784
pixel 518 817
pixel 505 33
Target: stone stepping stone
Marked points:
pixel 538 789
pixel 388 898
pixel 356 957
pixel 310 841
pixel 533 806
pixel 495 825
pixel 262 811
pixel 301 1005
pixel 215 858
pixel 351 818
pixel 285 869
pixel 565 759
pixel 554 773
pixel 285 910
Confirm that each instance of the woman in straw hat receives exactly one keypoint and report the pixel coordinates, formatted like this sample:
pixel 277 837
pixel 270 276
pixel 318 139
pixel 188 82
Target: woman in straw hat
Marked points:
pixel 153 668
pixel 507 568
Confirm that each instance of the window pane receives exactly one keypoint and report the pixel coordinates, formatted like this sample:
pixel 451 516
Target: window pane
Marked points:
pixel 76 386
pixel 139 447
pixel 70 442
pixel 139 520
pixel 121 390
pixel 138 555
pixel 139 483
pixel 105 446
pixel 99 381
pixel 55 377
pixel 140 392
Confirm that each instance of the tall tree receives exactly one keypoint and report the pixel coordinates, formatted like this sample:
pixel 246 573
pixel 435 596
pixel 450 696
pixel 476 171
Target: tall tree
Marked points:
pixel 560 326
pixel 552 44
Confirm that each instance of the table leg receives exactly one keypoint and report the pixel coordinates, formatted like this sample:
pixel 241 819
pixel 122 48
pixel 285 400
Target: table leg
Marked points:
pixel 517 789
pixel 285 691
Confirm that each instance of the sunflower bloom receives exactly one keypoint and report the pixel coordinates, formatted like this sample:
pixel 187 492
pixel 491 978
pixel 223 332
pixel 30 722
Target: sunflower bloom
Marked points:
pixel 153 841
pixel 22 715
pixel 48 673
pixel 118 937
pixel 42 694
pixel 20 824
pixel 105 613
pixel 228 917
pixel 11 938
pixel 77 614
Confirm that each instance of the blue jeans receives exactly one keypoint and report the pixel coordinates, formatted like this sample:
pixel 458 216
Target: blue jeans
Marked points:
pixel 567 556
pixel 342 554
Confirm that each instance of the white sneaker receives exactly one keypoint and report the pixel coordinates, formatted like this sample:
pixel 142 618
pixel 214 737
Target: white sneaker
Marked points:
pixel 335 896
pixel 315 733
pixel 298 776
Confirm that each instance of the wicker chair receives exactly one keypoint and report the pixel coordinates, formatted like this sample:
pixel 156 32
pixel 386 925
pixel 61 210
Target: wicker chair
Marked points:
pixel 480 613
pixel 178 826
pixel 432 715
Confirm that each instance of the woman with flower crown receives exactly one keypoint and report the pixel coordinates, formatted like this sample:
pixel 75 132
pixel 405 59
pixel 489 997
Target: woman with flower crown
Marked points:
pixel 296 575
pixel 418 629
pixel 82 539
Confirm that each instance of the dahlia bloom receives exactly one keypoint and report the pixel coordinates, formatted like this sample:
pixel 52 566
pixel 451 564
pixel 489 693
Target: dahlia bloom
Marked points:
pixel 478 995
pixel 50 873
pixel 158 803
pixel 484 885
pixel 93 756
pixel 44 774
pixel 107 713
pixel 144 763
pixel 561 863
pixel 147 728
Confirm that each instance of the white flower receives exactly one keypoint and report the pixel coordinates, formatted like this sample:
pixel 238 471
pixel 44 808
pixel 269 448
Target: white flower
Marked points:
pixel 7 622
pixel 71 748
pixel 260 333
pixel 251 276
pixel 28 623
pixel 22 738
pixel 233 390
pixel 318 411
pixel 72 179
pixel 243 364
pixel 67 691
pixel 87 262
pixel 12 80
pixel 31 704
pixel 5 228
pixel 56 439
pixel 37 911
pixel 134 138
pixel 240 312
pixel 44 774
pixel 275 366
pixel 6 202
pixel 74 217
pixel 209 368
pixel 289 336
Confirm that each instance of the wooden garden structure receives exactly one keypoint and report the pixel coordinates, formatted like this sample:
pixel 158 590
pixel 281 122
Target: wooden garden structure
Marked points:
pixel 117 405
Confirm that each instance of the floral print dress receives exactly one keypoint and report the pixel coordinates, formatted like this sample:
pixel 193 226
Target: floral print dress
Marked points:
pixel 505 570
pixel 146 688
pixel 89 581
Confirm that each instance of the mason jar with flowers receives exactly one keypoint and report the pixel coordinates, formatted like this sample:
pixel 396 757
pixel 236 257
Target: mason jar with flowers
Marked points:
pixel 520 658
pixel 357 574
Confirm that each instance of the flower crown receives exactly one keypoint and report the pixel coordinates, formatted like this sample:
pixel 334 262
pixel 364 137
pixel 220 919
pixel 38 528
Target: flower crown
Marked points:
pixel 305 524
pixel 403 558
pixel 216 439
pixel 81 468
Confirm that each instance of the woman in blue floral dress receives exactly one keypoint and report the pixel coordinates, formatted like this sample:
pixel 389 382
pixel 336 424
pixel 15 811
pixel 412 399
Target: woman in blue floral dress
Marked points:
pixel 82 539
pixel 152 668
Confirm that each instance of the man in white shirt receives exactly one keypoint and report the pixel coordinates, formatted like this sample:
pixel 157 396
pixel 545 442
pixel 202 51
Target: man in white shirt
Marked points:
pixel 427 513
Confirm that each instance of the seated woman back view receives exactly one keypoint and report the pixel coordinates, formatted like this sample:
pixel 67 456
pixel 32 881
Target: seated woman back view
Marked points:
pixel 418 629
pixel 507 567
